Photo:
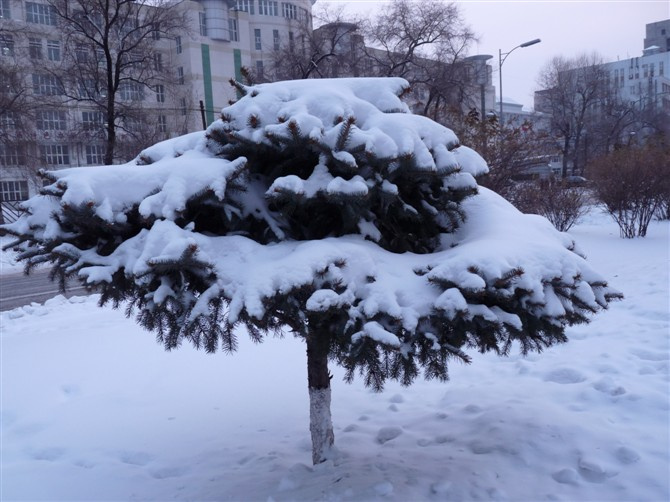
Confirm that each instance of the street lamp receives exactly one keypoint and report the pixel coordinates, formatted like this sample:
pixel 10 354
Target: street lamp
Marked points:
pixel 480 66
pixel 502 56
pixel 482 74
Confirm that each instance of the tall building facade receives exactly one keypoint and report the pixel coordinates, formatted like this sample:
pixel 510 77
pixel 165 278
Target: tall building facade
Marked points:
pixel 232 35
pixel 44 124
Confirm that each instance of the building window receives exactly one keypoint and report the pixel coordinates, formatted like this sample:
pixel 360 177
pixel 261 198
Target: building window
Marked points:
pixel 162 123
pixel 289 11
pixel 232 28
pixel 55 155
pixel 88 89
pixel 132 124
pixel 160 93
pixel 246 6
pixel 51 120
pixel 203 24
pixel 92 121
pixel 259 68
pixel 6 45
pixel 268 7
pixel 182 105
pixel 35 48
pixel 95 154
pixel 11 155
pixel 4 9
pixel 275 39
pixel 130 91
pixel 53 50
pixel 81 54
pixel 660 68
pixel 47 85
pixel 13 190
pixel 8 120
pixel 180 75
pixel 257 39
pixel 291 43
pixel 302 15
pixel 39 13
pixel 177 42
pixel 158 61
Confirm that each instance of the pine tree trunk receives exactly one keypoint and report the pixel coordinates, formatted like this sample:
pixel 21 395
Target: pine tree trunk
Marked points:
pixel 318 378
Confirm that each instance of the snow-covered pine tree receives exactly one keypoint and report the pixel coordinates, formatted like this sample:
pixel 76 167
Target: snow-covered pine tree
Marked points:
pixel 325 208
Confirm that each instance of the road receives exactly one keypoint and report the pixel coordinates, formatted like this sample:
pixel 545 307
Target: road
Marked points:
pixel 19 289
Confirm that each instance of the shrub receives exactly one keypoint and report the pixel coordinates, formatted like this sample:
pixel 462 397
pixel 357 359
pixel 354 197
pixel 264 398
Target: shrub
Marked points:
pixel 562 204
pixel 632 183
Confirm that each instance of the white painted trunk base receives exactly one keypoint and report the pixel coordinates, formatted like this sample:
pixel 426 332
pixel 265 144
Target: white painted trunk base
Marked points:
pixel 320 424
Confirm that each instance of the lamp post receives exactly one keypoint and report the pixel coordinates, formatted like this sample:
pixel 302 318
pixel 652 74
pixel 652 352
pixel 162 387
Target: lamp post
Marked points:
pixel 482 74
pixel 502 56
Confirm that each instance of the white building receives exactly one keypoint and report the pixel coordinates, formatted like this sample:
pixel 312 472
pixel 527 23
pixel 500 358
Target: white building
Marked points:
pixel 232 35
pixel 225 36
pixel 644 80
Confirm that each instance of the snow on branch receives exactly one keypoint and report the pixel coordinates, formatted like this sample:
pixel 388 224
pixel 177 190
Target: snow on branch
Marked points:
pixel 319 205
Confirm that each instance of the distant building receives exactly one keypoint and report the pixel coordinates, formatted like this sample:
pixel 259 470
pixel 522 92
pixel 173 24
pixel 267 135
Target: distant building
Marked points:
pixel 658 35
pixel 514 115
pixel 233 34
pixel 645 79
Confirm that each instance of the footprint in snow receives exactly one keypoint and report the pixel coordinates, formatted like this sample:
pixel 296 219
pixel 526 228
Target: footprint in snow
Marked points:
pixel 383 489
pixel 140 458
pixel 168 472
pixel 646 355
pixel 607 386
pixel 386 434
pixel 566 477
pixel 593 472
pixel 564 376
pixel 626 455
pixel 84 464
pixel 472 409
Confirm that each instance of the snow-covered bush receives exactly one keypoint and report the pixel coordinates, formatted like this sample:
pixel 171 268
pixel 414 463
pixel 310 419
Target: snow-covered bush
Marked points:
pixel 325 208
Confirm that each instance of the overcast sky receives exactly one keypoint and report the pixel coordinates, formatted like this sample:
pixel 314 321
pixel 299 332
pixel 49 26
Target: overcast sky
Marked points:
pixel 614 29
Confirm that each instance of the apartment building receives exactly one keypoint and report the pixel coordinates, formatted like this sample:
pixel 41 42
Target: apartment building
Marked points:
pixel 44 123
pixel 233 34
pixel 643 80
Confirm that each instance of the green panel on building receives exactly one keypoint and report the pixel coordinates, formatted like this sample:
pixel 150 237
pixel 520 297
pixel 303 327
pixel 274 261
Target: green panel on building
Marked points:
pixel 237 55
pixel 207 77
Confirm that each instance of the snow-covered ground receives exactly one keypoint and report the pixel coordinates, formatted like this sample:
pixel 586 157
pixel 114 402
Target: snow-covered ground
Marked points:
pixel 94 409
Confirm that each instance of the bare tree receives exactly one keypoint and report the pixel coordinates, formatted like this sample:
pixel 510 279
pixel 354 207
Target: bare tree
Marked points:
pixel 334 49
pixel 17 109
pixel 113 56
pixel 425 43
pixel 573 88
pixel 511 151
pixel 632 183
